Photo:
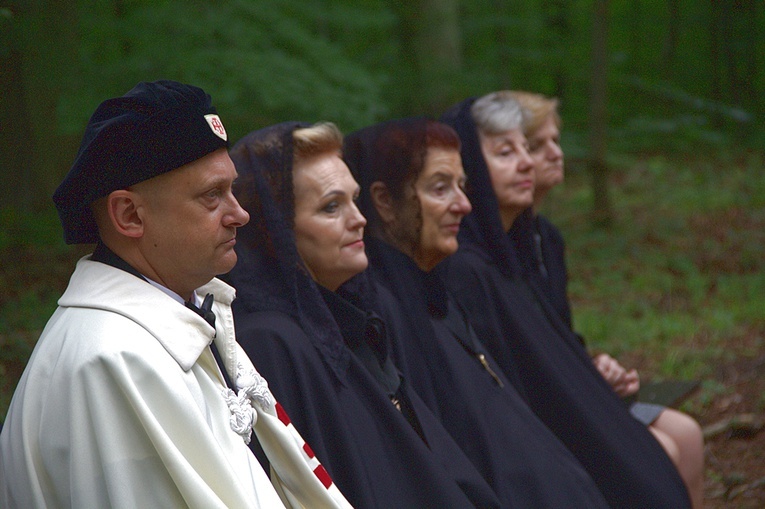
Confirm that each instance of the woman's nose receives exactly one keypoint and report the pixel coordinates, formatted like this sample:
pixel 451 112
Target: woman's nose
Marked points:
pixel 461 204
pixel 525 162
pixel 358 220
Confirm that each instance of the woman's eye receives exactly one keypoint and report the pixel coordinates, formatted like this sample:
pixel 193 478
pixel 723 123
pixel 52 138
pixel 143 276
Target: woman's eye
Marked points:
pixel 330 207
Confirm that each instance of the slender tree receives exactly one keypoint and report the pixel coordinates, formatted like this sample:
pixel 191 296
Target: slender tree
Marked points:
pixel 669 47
pixel 430 41
pixel 43 50
pixel 555 18
pixel 17 141
pixel 602 210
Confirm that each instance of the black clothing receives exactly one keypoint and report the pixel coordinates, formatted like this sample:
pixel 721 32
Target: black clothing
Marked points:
pixel 526 335
pixel 334 380
pixel 542 252
pixel 437 349
pixel 365 335
pixel 543 258
pixel 457 377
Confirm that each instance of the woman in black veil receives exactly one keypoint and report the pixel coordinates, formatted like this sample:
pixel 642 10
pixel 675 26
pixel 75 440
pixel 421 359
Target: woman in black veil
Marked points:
pixel 526 335
pixel 412 193
pixel 325 358
pixel 541 248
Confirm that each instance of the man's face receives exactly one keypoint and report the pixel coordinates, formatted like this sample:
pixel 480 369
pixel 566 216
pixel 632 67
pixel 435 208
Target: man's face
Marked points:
pixel 190 218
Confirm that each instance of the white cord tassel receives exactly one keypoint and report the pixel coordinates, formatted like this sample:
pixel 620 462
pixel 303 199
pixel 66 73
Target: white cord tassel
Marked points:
pixel 253 388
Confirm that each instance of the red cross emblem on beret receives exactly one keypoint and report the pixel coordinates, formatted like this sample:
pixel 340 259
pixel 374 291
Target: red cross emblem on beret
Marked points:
pixel 217 126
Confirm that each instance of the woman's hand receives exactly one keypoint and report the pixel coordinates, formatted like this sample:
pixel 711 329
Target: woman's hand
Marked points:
pixel 623 382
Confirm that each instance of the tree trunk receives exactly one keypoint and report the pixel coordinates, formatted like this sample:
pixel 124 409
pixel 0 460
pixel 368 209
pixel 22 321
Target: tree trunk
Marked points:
pixel 430 39
pixel 556 34
pixel 47 49
pixel 715 86
pixel 636 40
pixel 750 15
pixel 602 210
pixel 670 39
pixel 17 151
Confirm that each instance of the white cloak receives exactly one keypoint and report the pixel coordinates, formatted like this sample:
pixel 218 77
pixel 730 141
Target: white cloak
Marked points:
pixel 123 405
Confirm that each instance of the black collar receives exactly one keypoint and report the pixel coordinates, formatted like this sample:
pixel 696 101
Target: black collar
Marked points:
pixel 105 255
pixel 364 333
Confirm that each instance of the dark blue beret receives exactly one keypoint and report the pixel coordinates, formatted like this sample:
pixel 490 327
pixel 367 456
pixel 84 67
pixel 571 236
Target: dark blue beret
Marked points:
pixel 154 128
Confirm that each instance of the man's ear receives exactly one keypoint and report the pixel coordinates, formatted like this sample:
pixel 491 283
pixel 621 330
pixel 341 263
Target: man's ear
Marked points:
pixel 124 209
pixel 382 201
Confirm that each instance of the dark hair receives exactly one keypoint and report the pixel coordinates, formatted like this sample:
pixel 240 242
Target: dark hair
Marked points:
pixel 438 134
pixel 394 153
pixel 401 149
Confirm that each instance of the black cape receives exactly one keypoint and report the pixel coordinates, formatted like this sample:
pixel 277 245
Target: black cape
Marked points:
pixel 457 377
pixel 542 253
pixel 440 355
pixel 526 335
pixel 373 454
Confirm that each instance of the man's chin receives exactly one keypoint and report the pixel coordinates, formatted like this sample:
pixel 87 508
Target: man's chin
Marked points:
pixel 227 262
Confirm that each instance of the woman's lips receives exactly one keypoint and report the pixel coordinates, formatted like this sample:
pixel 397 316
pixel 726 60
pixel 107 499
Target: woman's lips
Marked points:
pixel 356 243
pixel 452 228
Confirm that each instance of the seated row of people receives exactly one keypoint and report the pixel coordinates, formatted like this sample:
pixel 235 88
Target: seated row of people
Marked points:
pixel 473 335
pixel 395 290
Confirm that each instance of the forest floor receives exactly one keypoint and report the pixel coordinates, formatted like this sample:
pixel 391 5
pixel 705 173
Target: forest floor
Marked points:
pixel 729 407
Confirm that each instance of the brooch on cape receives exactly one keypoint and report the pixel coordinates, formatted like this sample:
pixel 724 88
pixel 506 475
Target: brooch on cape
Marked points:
pixel 253 388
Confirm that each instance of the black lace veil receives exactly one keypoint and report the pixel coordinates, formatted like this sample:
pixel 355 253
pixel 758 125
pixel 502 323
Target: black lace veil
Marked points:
pixel 483 225
pixel 269 274
pixel 393 152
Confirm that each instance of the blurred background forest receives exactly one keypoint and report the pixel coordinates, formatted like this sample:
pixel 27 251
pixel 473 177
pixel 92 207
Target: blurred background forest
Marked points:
pixel 663 104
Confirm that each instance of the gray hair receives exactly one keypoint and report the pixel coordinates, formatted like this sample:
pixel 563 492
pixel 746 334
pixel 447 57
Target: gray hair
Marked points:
pixel 497 112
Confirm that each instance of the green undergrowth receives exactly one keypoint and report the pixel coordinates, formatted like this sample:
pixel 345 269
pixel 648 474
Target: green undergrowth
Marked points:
pixel 677 281
pixel 34 267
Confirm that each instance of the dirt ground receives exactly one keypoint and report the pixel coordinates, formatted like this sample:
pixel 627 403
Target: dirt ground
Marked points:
pixel 730 406
pixel 731 410
pixel 735 453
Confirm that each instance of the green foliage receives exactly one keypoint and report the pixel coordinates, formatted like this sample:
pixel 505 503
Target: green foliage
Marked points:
pixel 342 60
pixel 35 229
pixel 261 62
pixel 680 274
pixel 26 314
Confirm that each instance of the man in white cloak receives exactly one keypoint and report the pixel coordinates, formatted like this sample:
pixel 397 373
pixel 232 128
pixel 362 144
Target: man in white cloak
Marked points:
pixel 137 394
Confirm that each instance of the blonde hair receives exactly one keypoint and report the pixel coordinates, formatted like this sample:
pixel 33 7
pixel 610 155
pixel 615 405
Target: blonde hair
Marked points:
pixel 497 112
pixel 536 109
pixel 320 138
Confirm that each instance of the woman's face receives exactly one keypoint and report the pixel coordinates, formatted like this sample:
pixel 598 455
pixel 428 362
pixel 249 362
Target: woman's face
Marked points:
pixel 439 190
pixel 506 155
pixel 329 228
pixel 545 151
